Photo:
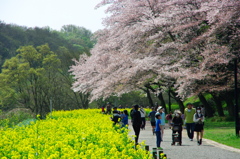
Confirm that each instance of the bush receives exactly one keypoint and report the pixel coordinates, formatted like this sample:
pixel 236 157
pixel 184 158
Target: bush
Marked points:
pixel 229 118
pixel 15 116
pixel 220 118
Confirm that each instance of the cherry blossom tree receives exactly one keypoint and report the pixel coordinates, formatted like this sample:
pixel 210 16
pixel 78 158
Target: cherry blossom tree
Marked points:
pixel 190 42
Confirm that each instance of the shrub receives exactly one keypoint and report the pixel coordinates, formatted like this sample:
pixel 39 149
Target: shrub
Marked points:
pixel 15 116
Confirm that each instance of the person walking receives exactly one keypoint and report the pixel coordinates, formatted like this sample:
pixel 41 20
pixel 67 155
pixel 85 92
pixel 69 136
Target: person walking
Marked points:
pixel 109 108
pixel 143 114
pixel 151 115
pixel 136 122
pixel 160 110
pixel 189 113
pixel 158 131
pixel 177 122
pixel 199 124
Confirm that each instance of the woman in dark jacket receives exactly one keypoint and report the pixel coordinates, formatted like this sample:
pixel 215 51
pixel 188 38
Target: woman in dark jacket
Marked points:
pixel 177 123
pixel 136 122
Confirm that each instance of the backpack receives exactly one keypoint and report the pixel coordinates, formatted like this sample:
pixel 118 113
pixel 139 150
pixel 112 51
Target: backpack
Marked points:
pixel 168 117
pixel 152 116
pixel 197 116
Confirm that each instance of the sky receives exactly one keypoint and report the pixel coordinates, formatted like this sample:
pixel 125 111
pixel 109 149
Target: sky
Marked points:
pixel 52 13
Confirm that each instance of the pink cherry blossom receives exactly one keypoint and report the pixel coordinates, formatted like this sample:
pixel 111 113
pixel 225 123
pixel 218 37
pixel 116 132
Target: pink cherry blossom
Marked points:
pixel 190 42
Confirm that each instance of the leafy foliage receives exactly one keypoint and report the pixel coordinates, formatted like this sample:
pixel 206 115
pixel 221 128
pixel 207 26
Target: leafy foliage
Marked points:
pixel 36 63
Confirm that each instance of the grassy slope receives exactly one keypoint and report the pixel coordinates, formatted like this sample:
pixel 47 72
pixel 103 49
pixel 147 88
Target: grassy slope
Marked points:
pixel 222 132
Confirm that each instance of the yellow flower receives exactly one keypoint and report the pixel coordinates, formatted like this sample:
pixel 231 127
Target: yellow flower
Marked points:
pixel 70 134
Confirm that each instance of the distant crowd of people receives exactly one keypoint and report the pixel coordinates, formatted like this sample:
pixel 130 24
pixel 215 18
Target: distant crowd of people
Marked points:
pixel 192 119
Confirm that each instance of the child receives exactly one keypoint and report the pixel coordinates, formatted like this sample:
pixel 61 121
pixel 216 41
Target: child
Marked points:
pixel 158 130
pixel 198 118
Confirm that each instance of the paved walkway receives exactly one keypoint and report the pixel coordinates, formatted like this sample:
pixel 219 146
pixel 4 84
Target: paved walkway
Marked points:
pixel 189 149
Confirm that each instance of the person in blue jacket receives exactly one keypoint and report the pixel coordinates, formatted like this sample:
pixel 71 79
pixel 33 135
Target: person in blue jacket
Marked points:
pixel 125 118
pixel 158 130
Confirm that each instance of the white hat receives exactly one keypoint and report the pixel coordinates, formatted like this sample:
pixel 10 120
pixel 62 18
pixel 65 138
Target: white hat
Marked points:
pixel 160 107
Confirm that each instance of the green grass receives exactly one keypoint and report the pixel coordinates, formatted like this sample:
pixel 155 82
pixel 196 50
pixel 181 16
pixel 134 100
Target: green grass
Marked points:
pixel 222 132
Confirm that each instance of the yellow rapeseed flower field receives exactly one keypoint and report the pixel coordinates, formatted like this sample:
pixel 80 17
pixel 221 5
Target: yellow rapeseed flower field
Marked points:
pixel 76 134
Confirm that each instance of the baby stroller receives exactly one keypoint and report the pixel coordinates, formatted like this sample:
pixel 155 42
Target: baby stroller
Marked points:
pixel 176 134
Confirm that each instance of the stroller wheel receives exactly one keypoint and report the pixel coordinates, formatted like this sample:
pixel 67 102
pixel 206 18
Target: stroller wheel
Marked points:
pixel 173 144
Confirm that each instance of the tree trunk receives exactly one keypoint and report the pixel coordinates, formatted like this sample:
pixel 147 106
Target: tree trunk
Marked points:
pixel 230 106
pixel 163 104
pixel 208 109
pixel 228 98
pixel 178 100
pixel 84 100
pixel 149 97
pixel 180 103
pixel 76 99
pixel 218 102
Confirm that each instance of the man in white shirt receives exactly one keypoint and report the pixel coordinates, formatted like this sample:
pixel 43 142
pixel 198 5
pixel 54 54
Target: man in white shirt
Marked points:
pixel 143 114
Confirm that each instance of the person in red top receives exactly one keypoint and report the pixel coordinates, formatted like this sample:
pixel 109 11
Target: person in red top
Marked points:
pixel 103 111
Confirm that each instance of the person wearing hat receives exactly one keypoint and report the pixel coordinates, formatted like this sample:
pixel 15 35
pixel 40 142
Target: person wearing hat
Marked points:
pixel 189 113
pixel 177 122
pixel 136 122
pixel 160 110
pixel 199 123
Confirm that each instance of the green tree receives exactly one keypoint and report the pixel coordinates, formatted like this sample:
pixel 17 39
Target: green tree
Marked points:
pixel 80 37
pixel 32 75
pixel 33 66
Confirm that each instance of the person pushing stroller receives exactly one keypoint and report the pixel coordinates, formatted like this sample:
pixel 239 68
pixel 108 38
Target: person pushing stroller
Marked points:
pixel 177 128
